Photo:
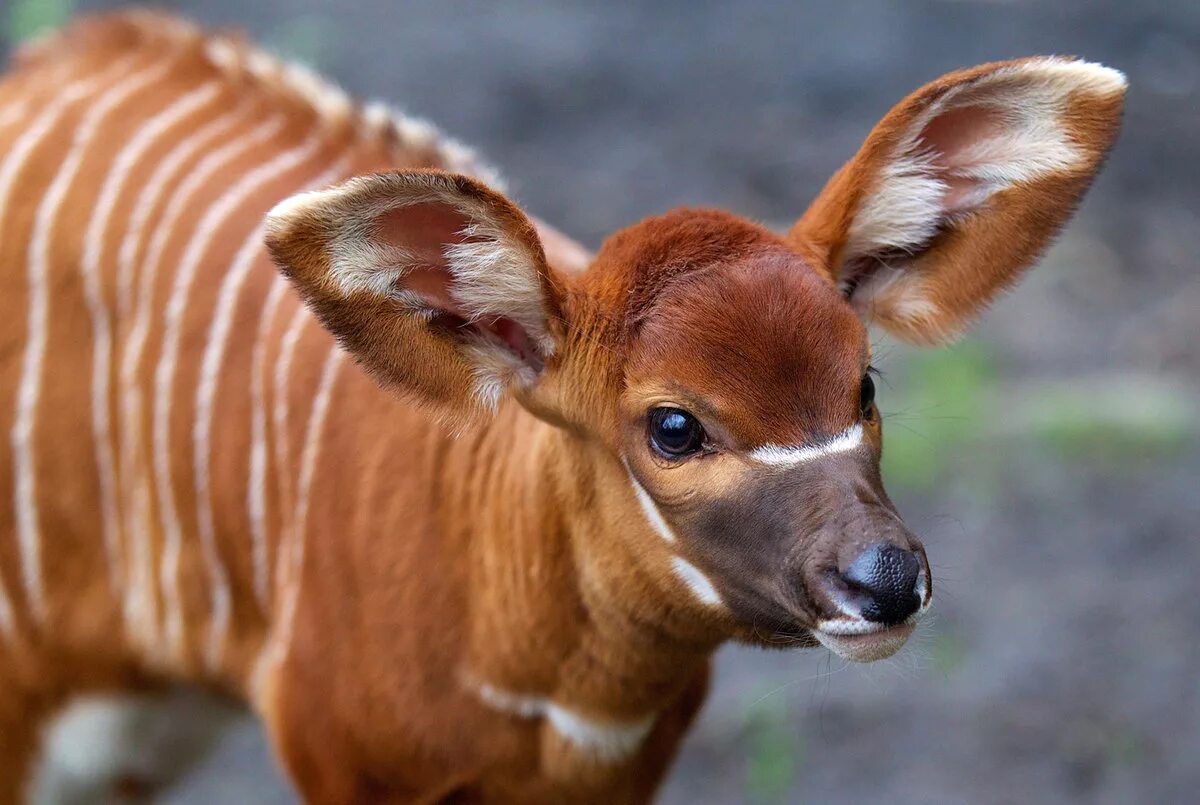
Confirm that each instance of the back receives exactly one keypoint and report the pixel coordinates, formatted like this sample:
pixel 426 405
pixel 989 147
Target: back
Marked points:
pixel 145 338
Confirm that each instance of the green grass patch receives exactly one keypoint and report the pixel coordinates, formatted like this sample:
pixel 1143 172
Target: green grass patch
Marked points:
pixel 1114 420
pixel 938 405
pixel 29 18
pixel 307 38
pixel 947 651
pixel 774 750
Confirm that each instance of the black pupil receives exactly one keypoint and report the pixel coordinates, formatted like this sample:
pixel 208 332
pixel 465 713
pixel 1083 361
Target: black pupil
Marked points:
pixel 675 432
pixel 866 394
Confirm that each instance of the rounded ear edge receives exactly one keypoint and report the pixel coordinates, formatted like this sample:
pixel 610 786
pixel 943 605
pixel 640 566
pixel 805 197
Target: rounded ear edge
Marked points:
pixel 437 284
pixel 841 231
pixel 299 227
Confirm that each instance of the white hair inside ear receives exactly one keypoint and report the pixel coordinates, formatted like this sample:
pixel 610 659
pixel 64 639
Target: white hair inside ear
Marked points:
pixel 1003 128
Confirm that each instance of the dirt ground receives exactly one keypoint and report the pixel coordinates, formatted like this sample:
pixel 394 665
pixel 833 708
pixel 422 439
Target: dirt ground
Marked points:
pixel 1051 460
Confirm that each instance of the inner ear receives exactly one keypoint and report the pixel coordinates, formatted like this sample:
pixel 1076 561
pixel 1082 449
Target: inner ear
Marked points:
pixel 961 143
pixel 424 233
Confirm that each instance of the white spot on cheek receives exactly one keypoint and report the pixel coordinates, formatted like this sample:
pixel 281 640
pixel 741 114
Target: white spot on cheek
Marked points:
pixel 696 581
pixel 779 456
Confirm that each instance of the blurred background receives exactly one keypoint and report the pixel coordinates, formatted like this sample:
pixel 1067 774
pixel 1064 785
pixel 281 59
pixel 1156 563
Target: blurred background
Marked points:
pixel 1051 460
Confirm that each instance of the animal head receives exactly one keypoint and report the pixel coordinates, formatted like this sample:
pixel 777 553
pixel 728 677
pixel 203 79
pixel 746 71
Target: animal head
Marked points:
pixel 723 369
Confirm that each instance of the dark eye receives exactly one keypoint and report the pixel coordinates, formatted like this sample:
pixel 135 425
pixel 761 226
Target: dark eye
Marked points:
pixel 675 433
pixel 866 395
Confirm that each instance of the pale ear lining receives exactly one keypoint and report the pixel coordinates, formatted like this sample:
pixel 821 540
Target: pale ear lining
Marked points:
pixel 1000 129
pixel 1023 139
pixel 495 269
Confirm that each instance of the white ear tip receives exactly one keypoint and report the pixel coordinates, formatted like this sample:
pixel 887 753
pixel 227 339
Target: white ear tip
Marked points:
pixel 293 207
pixel 1092 77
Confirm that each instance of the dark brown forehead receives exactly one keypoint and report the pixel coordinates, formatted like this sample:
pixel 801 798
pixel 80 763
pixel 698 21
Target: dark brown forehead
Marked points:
pixel 762 338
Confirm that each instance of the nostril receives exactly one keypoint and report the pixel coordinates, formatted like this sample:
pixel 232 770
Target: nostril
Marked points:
pixel 887 576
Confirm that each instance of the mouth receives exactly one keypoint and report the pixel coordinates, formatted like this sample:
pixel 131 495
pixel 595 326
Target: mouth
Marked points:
pixel 857 639
pixel 863 641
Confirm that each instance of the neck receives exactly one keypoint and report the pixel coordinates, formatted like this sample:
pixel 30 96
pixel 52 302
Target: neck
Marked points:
pixel 562 608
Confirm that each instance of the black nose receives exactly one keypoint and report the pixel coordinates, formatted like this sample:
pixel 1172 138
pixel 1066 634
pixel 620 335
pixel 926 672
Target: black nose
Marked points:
pixel 887 578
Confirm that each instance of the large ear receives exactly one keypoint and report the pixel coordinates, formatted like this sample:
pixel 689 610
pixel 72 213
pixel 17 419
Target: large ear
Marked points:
pixel 960 188
pixel 437 284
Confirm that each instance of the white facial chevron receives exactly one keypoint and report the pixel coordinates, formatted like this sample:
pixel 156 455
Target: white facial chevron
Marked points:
pixel 779 456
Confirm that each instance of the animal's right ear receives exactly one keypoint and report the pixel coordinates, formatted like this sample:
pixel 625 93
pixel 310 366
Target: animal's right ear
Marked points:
pixel 437 284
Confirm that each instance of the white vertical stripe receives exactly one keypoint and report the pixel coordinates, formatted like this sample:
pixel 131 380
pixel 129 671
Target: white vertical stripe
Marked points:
pixel 290 570
pixel 114 183
pixel 131 403
pixel 29 389
pixel 39 253
pixel 283 369
pixel 210 368
pixel 164 375
pixel 151 192
pixel 256 494
pixel 308 466
pixel 27 106
pixel 12 113
pixel 140 601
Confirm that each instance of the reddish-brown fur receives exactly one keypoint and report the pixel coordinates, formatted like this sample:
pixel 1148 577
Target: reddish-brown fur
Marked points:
pixel 464 604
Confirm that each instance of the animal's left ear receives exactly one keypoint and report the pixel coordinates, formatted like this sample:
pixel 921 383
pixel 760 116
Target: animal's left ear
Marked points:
pixel 960 188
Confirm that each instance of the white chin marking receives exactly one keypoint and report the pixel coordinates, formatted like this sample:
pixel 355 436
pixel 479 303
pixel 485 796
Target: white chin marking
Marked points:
pixel 866 647
pixel 859 640
pixel 781 456
pixel 696 581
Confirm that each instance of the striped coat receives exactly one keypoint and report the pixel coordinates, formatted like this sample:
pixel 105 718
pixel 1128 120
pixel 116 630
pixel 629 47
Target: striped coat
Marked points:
pixel 180 425
pixel 142 317
pixel 204 487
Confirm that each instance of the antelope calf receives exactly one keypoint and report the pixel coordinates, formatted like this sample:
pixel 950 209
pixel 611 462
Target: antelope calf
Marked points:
pixel 461 510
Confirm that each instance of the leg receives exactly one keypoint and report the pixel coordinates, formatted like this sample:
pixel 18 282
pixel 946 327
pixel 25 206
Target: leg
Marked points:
pixel 126 747
pixel 23 711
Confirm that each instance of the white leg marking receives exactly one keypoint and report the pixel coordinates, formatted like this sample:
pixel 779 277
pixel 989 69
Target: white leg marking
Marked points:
pixel 164 377
pixel 29 389
pixel 256 495
pixel 696 581
pixel 96 741
pixel 649 508
pixel 210 165
pixel 607 741
pixel 778 456
pixel 140 601
pixel 290 570
pixel 206 392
